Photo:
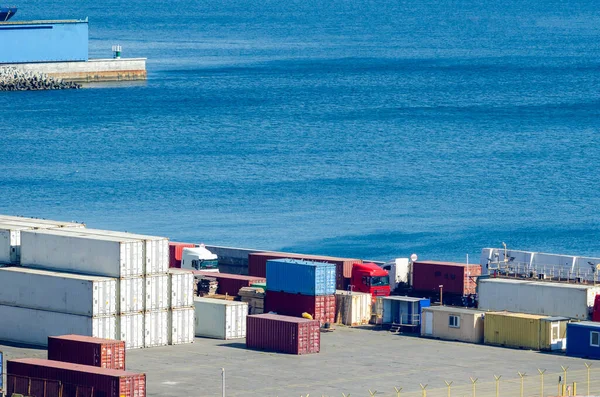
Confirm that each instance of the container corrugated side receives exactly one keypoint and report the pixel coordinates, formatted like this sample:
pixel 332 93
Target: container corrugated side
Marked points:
pixel 59 292
pixel 156 328
pixel 230 284
pixel 73 251
pixel 30 326
pixel 353 308
pixel 156 291
pixel 513 330
pixel 301 277
pixel 457 278
pixel 320 307
pixel 257 263
pixel 182 325
pixel 181 288
pixel 131 330
pixel 104 382
pixel 131 295
pixel 155 249
pixel 283 334
pixel 175 251
pixel 78 349
pixel 220 319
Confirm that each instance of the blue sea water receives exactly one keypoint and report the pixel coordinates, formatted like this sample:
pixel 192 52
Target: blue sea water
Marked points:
pixel 369 129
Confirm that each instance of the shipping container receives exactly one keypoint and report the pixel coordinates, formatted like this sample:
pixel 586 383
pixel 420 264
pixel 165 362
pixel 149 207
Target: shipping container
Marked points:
pixel 230 284
pixel 131 330
pixel 220 319
pixel 353 308
pixel 525 331
pixel 283 334
pixel 175 251
pixel 156 292
pixel 257 264
pixel 298 276
pixel 104 382
pixel 537 297
pixel 131 295
pixel 76 252
pixel 403 310
pixel 59 292
pixel 182 325
pixel 156 328
pixel 456 278
pixel 155 249
pixel 38 223
pixel 453 323
pixel 583 339
pixel 86 350
pixel 320 307
pixel 181 288
pixel 33 327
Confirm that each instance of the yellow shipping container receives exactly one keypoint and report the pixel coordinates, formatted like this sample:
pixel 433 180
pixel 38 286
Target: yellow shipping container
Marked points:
pixel 526 331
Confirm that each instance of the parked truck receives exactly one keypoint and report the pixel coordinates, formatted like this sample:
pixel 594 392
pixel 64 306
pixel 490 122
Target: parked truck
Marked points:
pixel 370 278
pixel 192 257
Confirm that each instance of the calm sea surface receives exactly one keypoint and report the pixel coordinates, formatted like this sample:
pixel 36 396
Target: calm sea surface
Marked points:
pixel 372 129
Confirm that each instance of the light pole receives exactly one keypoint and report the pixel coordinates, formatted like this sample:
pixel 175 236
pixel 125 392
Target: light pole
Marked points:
pixel 441 295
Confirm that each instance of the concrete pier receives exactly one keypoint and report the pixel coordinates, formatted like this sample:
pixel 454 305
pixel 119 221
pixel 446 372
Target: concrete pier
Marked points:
pixel 93 70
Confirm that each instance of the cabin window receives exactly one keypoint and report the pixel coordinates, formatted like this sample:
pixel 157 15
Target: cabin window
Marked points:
pixel 438 274
pixel 595 339
pixel 454 321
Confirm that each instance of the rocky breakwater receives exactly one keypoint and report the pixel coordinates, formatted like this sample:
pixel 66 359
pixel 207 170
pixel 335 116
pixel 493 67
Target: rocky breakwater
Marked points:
pixel 13 79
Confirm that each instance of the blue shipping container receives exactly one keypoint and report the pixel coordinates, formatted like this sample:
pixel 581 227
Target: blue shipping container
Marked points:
pixel 296 276
pixel 404 310
pixel 43 41
pixel 583 339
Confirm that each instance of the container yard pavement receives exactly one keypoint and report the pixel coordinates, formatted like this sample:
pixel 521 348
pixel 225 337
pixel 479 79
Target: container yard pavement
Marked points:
pixel 351 361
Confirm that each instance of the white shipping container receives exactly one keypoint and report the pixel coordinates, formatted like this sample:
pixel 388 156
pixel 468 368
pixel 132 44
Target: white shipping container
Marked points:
pixel 31 326
pixel 77 252
pixel 181 288
pixel 156 291
pixel 155 249
pixel 39 223
pixel 353 308
pixel 156 328
pixel 131 295
pixel 59 292
pixel 537 297
pixel 182 325
pixel 131 330
pixel 220 319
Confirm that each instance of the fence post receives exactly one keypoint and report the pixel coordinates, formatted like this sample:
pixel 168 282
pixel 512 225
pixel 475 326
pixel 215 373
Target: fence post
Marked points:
pixel 345 395
pixel 372 393
pixel 565 371
pixel 497 384
pixel 588 366
pixel 541 381
pixel 449 384
pixel 423 391
pixel 473 381
pixel 398 390
pixel 522 376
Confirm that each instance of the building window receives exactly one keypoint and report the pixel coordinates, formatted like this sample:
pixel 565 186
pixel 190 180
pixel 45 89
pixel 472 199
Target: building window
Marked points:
pixel 454 321
pixel 595 339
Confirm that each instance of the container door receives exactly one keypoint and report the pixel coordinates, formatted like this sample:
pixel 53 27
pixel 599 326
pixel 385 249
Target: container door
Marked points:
pixel 429 323
pixel 556 343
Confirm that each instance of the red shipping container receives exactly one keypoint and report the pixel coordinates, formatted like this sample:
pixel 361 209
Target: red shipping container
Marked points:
pixel 105 382
pixel 283 334
pixel 87 350
pixel 231 284
pixel 321 308
pixel 457 278
pixel 257 263
pixel 175 251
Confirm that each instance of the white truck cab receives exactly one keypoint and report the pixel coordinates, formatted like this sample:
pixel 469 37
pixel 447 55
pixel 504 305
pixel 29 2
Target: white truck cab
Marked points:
pixel 399 270
pixel 199 258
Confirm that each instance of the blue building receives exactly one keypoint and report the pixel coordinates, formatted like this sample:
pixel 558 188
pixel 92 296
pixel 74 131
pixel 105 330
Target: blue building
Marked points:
pixel 583 339
pixel 43 41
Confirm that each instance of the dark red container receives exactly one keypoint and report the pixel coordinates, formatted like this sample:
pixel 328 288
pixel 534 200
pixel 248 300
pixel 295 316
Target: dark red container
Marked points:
pixel 321 308
pixel 86 350
pixel 257 264
pixel 283 334
pixel 104 382
pixel 231 284
pixel 175 251
pixel 457 278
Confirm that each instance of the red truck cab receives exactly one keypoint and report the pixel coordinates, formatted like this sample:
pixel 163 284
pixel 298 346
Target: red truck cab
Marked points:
pixel 368 277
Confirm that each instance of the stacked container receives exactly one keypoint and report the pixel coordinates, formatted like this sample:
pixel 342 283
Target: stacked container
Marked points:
pixel 181 306
pixel 220 319
pixel 283 334
pixel 297 286
pixel 85 350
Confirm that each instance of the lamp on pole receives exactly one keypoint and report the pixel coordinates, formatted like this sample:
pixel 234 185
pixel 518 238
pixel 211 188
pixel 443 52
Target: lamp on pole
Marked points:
pixel 441 295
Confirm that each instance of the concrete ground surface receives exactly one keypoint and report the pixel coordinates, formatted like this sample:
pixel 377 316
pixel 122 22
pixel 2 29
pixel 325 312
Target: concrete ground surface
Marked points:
pixel 351 361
